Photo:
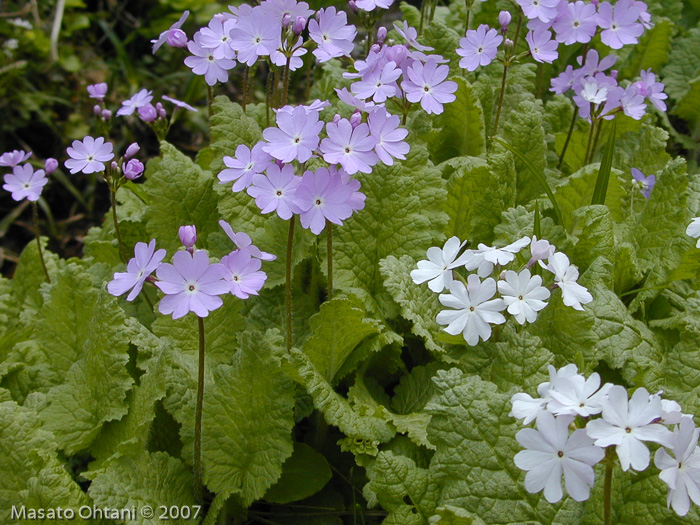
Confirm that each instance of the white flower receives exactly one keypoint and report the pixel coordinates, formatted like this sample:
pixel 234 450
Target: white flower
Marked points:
pixel 438 268
pixel 565 276
pixel 487 256
pixel 671 412
pixel 551 452
pixel 528 408
pixel 626 424
pixel 681 472
pixel 594 94
pixel 693 230
pixel 473 311
pixel 523 294
pixel 540 250
pixel 577 396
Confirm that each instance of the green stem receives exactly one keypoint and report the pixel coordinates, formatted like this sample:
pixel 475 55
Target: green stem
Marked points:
pixel 113 199
pixel 595 141
pixel 288 284
pixel 246 76
pixel 468 5
pixel 607 488
pixel 590 143
pixel 210 100
pixel 268 94
pixel 329 257
pixel 35 212
pixel 285 87
pixel 198 487
pixel 500 100
pixel 568 139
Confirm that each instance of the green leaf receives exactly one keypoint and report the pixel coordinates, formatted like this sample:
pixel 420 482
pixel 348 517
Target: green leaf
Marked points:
pixel 445 40
pixel 449 515
pixel 304 473
pixel 459 130
pixel 683 65
pixel 248 419
pixel 153 479
pixel 180 193
pixel 593 227
pixel 410 14
pixel 651 51
pixel 688 108
pixel 29 275
pixel 230 127
pixel 601 184
pixel 402 216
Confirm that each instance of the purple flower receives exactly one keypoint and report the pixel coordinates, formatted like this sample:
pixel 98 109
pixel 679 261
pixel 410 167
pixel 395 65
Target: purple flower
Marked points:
pixel 276 191
pixel 138 269
pixel 564 82
pixel 179 103
pixel 138 100
pixel 169 32
pixel 379 84
pixel 147 113
pixel 132 150
pixel 24 182
pixel 133 169
pixel 243 274
pixel 50 165
pixel 426 84
pixel 279 58
pixel 350 100
pixel 385 130
pixel 619 23
pixel 330 30
pixel 576 23
pixel 295 137
pixel 352 148
pixel 278 9
pixel 255 35
pixel 593 65
pixel 632 103
pixel 243 242
pixel 479 47
pixel 410 35
pixel 204 63
pixel 244 165
pixel 188 236
pixel 643 183
pixel 10 159
pixel 370 5
pixel 649 88
pixel 89 155
pixel 545 10
pixel 97 91
pixel 191 284
pixel 215 37
pixel 542 47
pixel 324 195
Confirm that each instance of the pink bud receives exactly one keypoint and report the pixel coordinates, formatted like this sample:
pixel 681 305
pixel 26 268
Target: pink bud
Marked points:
pixel 336 118
pixel 176 38
pixel 381 35
pixel 50 165
pixel 353 5
pixel 106 114
pixel 115 166
pixel 397 54
pixel 96 109
pixel 613 73
pixel 286 20
pixel 148 113
pixel 504 18
pixel 299 25
pixel 376 48
pixel 356 119
pixel 160 110
pixel 188 236
pixel 133 169
pixel 97 91
pixel 132 150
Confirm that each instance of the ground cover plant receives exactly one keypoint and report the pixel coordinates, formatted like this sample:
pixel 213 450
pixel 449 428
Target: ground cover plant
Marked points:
pixel 359 263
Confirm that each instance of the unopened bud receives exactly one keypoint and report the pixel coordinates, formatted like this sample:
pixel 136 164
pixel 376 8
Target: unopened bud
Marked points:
pixel 160 110
pixel 96 109
pixel 508 45
pixel 188 236
pixel 106 114
pixel 376 48
pixel 356 119
pixel 299 25
pixel 504 18
pixel 613 73
pixel 381 35
pixel 148 113
pixel 115 166
pixel 176 38
pixel 353 5
pixel 132 150
pixel 50 165
pixel 336 118
pixel 133 169
pixel 397 54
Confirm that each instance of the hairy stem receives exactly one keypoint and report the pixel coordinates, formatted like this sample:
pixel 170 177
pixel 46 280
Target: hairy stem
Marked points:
pixel 500 100
pixel 468 5
pixel 246 76
pixel 198 487
pixel 288 284
pixel 329 257
pixel 285 87
pixel 35 212
pixel 117 231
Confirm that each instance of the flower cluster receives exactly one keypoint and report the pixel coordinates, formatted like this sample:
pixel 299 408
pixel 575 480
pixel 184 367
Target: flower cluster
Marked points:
pixel 193 283
pixel 24 182
pixel 570 401
pixel 476 304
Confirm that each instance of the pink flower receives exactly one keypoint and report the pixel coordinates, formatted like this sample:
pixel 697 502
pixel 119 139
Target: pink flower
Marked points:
pixel 191 284
pixel 576 23
pixel 426 84
pixel 330 30
pixel 97 91
pixel 388 136
pixel 138 100
pixel 295 137
pixel 89 155
pixel 243 274
pixel 244 165
pixel 276 191
pixel 352 148
pixel 542 47
pixel 255 35
pixel 379 84
pixel 24 182
pixel 203 62
pixel 146 260
pixel 10 159
pixel 173 30
pixel 619 23
pixel 479 47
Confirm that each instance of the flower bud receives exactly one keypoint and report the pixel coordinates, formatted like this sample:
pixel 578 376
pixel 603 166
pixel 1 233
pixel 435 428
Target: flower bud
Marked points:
pixel 96 109
pixel 336 118
pixel 160 110
pixel 148 113
pixel 188 236
pixel 504 18
pixel 133 169
pixel 353 5
pixel 176 38
pixel 106 114
pixel 299 25
pixel 376 48
pixel 132 150
pixel 115 166
pixel 397 54
pixel 381 35
pixel 97 91
pixel 509 45
pixel 613 73
pixel 50 165
pixel 356 119
pixel 540 250
pixel 286 20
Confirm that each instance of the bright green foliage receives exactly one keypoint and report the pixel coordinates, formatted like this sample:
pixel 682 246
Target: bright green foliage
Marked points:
pixel 683 65
pixel 593 228
pixel 445 40
pixel 29 276
pixel 449 515
pixel 402 216
pixel 304 473
pixel 247 431
pixel 651 51
pixel 230 127
pixel 459 130
pixel 152 479
pixel 179 192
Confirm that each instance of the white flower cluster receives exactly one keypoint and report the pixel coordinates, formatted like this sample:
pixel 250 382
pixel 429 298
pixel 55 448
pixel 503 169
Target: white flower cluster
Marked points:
pixel 520 293
pixel 625 423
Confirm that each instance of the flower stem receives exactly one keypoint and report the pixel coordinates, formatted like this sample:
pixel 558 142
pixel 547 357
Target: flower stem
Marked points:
pixel 329 257
pixel 568 139
pixel 468 5
pixel 586 159
pixel 246 76
pixel 595 141
pixel 198 487
pixel 35 212
pixel 210 100
pixel 288 283
pixel 500 99
pixel 607 487
pixel 285 87
pixel 113 198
